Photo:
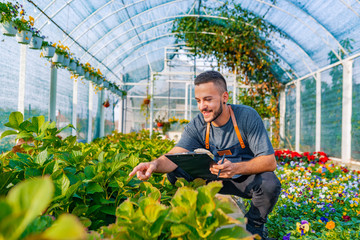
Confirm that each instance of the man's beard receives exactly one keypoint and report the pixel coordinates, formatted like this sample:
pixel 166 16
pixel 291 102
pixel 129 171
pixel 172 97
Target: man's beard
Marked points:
pixel 217 113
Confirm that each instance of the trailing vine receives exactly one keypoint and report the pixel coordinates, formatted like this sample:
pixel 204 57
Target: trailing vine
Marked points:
pixel 235 38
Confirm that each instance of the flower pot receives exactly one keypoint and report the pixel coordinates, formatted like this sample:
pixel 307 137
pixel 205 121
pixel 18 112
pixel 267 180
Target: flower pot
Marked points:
pixel 79 70
pixel 93 78
pixel 24 37
pixel 35 42
pixel 8 29
pixel 106 84
pixel 72 66
pixel 87 75
pixel 57 58
pixel 66 61
pixel 48 51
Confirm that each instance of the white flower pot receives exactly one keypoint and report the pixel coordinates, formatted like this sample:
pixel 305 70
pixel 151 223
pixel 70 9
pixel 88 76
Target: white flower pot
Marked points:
pixel 8 29
pixel 66 61
pixel 94 78
pixel 35 42
pixel 48 51
pixel 87 75
pixel 72 66
pixel 24 37
pixel 80 70
pixel 106 84
pixel 57 58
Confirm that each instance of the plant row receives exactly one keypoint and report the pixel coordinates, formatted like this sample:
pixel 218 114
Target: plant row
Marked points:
pixel 13 23
pixel 91 182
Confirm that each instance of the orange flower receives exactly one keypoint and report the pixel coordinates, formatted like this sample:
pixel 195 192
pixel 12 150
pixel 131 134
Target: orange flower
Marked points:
pixel 330 225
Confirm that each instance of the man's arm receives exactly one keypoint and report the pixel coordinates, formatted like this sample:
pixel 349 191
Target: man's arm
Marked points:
pixel 161 165
pixel 254 166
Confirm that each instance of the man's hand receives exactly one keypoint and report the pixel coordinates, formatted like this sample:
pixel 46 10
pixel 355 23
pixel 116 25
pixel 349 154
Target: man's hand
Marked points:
pixel 144 170
pixel 228 169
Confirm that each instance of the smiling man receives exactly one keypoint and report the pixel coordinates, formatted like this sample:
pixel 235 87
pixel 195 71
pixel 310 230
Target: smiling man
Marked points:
pixel 237 132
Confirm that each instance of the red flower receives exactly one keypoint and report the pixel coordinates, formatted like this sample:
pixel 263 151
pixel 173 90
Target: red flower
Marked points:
pixel 160 124
pixel 346 218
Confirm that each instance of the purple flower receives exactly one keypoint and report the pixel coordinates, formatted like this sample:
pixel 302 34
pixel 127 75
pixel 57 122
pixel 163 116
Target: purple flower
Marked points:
pixel 287 236
pixel 324 219
pixel 332 210
pixel 327 214
pixel 323 209
pixel 304 222
pixel 329 205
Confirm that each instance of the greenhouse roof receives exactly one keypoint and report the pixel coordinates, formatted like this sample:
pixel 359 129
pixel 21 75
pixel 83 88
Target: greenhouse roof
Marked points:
pixel 126 39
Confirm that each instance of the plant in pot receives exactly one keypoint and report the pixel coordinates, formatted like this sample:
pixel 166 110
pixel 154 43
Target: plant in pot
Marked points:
pixel 106 103
pixel 9 12
pixel 37 39
pixel 24 34
pixel 60 52
pixel 162 124
pixel 87 70
pixel 48 50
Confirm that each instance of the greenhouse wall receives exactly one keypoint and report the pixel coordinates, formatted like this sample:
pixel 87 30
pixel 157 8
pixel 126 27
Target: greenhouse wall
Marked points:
pixel 334 136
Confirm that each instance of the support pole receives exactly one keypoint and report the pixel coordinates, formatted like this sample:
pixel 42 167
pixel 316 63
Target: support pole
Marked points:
pixel 282 117
pixel 346 111
pixel 121 112
pixel 22 79
pixel 91 94
pixel 318 113
pixel 235 90
pixel 186 101
pixel 151 103
pixel 297 119
pixel 53 83
pixel 75 101
pixel 102 113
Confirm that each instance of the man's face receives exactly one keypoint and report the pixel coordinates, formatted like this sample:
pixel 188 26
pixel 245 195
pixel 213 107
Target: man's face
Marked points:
pixel 209 101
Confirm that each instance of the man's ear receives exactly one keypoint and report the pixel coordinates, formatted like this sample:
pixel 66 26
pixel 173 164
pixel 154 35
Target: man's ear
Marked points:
pixel 225 97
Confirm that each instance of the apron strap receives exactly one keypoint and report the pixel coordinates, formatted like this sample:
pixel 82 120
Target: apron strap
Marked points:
pixel 236 128
pixel 207 145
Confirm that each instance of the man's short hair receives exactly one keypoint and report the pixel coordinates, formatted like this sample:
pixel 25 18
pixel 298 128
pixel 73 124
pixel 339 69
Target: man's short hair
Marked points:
pixel 214 77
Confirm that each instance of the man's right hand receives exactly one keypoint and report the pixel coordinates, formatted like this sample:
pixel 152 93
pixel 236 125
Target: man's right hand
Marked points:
pixel 144 170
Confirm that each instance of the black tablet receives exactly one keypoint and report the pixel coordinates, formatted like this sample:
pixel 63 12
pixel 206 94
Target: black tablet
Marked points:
pixel 195 164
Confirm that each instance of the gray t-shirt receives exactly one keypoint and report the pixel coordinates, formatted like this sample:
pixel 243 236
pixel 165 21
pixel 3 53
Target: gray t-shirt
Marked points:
pixel 251 128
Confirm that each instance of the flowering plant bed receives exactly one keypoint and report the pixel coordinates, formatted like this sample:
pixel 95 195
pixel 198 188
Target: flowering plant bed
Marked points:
pixel 319 200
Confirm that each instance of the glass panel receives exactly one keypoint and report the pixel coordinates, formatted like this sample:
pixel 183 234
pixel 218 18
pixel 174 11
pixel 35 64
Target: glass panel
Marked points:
pixel 355 121
pixel 308 115
pixel 82 111
pixel 64 101
pixel 331 111
pixel 290 117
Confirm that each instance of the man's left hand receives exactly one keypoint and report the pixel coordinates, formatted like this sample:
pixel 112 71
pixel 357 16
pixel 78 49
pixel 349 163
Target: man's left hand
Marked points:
pixel 228 169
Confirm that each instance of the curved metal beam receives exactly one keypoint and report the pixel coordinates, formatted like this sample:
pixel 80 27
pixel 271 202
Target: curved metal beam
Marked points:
pixel 56 13
pixel 40 14
pixel 87 18
pixel 301 21
pixel 169 34
pixel 148 10
pixel 165 18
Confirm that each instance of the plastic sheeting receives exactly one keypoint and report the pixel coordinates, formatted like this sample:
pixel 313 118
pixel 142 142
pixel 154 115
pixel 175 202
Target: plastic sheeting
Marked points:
pixel 355 121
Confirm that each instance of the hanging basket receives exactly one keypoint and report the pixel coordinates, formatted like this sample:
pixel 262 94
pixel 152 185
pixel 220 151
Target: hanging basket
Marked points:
pixel 72 66
pixel 48 51
pixel 106 85
pixel 57 58
pixel 66 62
pixel 106 103
pixel 8 29
pixel 24 37
pixel 79 70
pixel 87 75
pixel 35 42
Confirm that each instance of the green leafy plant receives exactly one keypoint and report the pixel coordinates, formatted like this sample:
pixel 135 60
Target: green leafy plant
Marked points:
pixel 24 203
pixel 8 11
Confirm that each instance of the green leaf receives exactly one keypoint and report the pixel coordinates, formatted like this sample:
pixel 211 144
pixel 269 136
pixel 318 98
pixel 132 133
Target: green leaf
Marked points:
pixel 26 126
pixel 41 157
pixel 178 214
pixel 38 122
pixel 133 160
pixel 108 210
pixel 66 127
pixel 7 133
pixel 125 210
pixel 178 230
pixel 185 197
pixel 72 189
pixel 32 172
pixel 15 119
pixel 61 182
pixel 89 172
pixel 153 212
pixel 80 210
pixel 231 233
pixel 101 157
pixel 24 135
pixel 5 179
pixel 29 199
pixel 5 212
pixel 67 227
pixel 93 187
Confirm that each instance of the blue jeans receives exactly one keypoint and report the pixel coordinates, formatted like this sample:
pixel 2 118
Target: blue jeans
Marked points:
pixel 263 189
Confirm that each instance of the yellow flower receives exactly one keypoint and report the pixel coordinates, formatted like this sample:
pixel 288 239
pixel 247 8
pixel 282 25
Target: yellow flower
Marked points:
pixel 302 227
pixel 330 225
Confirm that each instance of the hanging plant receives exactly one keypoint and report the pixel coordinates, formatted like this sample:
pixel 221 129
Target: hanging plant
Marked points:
pixel 236 40
pixel 106 103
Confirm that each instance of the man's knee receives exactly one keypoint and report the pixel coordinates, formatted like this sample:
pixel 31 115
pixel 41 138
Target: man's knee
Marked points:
pixel 269 184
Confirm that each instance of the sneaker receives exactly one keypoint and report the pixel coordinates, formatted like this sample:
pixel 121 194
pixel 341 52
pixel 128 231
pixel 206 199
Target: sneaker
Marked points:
pixel 261 230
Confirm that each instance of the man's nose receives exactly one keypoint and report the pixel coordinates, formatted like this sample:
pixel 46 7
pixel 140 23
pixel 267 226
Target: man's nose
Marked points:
pixel 201 105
